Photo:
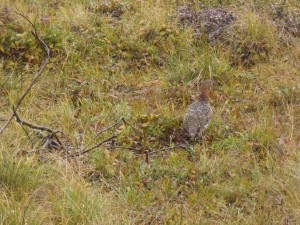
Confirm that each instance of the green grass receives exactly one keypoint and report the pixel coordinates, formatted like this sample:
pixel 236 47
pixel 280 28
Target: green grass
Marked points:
pixel 141 63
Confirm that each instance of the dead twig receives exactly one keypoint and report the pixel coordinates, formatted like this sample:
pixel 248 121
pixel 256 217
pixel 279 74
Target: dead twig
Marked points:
pixel 32 126
pixel 147 154
pixel 27 134
pixel 121 119
pixel 39 73
pixel 128 124
pixel 53 134
pixel 92 148
pixel 103 130
pixel 84 150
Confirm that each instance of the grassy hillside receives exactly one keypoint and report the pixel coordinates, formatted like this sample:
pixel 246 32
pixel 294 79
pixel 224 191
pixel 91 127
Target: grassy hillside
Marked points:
pixel 144 61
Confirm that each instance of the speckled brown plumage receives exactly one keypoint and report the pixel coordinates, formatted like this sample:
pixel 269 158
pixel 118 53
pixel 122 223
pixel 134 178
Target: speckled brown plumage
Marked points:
pixel 199 113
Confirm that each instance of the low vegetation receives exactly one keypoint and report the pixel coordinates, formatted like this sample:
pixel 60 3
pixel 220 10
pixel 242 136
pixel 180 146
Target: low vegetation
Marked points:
pixel 144 61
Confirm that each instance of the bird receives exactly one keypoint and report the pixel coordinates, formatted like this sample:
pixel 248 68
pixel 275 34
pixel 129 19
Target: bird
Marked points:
pixel 199 113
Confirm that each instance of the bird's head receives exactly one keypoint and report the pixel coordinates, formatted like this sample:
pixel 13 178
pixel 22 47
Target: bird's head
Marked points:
pixel 205 89
pixel 206 85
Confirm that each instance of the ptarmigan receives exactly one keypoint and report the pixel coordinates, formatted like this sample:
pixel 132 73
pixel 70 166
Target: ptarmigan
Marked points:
pixel 199 113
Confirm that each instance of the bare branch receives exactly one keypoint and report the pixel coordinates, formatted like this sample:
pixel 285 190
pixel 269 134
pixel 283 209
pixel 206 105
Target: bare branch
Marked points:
pixel 35 127
pixel 121 119
pixel 41 128
pixel 94 147
pixel 147 154
pixel 128 124
pixel 27 134
pixel 103 130
pixel 39 73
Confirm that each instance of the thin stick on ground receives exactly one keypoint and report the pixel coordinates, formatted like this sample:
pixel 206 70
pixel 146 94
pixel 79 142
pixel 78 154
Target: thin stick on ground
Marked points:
pixel 38 74
pixel 27 134
pixel 128 124
pixel 84 150
pixel 121 119
pixel 102 131
pixel 36 127
pixel 32 126
pixel 140 152
pixel 92 148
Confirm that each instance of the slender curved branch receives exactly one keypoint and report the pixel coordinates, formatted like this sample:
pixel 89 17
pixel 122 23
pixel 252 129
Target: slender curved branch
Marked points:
pixel 92 148
pixel 39 73
pixel 41 128
pixel 32 126
pixel 102 131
